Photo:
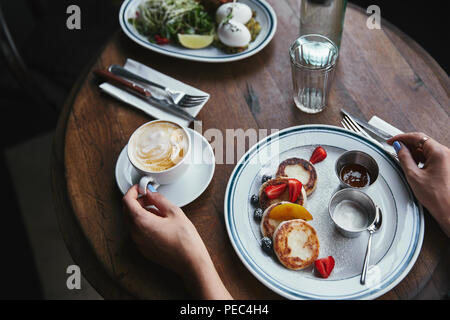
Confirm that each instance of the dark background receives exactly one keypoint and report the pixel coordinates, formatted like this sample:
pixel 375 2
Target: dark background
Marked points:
pixel 55 56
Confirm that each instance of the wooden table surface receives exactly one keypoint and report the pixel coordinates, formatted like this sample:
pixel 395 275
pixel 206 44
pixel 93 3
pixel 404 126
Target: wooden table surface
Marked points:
pixel 380 72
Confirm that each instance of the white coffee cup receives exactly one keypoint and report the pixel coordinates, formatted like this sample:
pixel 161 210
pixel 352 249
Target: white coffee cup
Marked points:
pixel 150 175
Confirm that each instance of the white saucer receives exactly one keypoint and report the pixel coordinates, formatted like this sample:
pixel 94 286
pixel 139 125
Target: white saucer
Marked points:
pixel 189 187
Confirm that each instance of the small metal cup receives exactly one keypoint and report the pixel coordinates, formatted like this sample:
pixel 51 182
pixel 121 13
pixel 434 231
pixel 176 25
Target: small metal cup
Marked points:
pixel 357 157
pixel 360 199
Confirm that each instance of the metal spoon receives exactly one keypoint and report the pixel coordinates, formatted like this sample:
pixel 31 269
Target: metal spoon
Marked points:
pixel 372 229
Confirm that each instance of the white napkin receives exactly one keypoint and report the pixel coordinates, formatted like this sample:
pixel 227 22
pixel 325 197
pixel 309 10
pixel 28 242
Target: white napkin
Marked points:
pixel 158 77
pixel 386 127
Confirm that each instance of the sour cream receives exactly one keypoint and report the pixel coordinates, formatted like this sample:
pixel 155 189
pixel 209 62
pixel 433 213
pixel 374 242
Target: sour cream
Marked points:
pixel 349 215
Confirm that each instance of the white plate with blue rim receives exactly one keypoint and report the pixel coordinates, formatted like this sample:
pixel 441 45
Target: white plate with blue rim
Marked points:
pixel 395 247
pixel 265 15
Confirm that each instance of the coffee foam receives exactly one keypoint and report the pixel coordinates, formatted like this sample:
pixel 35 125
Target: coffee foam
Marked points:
pixel 158 146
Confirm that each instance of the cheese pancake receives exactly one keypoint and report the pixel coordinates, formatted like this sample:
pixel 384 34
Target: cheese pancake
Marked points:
pixel 296 244
pixel 268 225
pixel 300 169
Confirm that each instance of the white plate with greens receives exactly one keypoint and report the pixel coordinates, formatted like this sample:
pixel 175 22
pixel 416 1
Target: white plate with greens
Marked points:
pixel 395 247
pixel 265 15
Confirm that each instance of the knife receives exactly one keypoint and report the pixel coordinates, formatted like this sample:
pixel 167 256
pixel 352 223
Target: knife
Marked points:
pixel 144 94
pixel 122 72
pixel 378 132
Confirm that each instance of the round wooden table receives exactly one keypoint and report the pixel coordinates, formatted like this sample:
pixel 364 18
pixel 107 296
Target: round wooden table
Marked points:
pixel 380 72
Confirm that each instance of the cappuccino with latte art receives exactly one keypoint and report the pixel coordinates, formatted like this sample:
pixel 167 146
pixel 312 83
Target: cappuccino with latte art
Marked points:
pixel 158 146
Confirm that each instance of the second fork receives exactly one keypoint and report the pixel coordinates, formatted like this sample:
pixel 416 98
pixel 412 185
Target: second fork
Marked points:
pixel 350 125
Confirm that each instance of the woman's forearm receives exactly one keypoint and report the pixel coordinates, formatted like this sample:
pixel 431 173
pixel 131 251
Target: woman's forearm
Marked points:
pixel 204 282
pixel 440 213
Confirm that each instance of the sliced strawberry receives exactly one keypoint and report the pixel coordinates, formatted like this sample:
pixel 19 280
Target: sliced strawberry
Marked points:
pixel 324 266
pixel 275 191
pixel 318 155
pixel 295 188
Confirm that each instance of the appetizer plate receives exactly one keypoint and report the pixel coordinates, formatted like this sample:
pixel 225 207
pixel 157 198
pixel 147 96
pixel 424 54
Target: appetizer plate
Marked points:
pixel 265 15
pixel 186 189
pixel 395 247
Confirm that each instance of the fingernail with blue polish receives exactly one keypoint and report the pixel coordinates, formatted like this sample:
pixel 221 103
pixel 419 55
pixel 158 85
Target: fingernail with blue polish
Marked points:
pixel 151 188
pixel 397 146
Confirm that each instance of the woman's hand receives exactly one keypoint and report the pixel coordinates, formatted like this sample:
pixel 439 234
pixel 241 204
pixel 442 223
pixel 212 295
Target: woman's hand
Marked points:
pixel 163 234
pixel 166 236
pixel 431 183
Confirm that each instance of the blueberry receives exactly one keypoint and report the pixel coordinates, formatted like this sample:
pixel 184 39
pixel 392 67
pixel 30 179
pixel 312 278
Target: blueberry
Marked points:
pixel 266 178
pixel 266 245
pixel 254 200
pixel 258 213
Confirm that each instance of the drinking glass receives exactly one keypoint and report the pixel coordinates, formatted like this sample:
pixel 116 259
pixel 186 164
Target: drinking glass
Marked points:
pixel 324 17
pixel 313 60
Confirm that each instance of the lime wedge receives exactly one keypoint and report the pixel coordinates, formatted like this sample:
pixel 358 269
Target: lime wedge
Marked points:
pixel 195 41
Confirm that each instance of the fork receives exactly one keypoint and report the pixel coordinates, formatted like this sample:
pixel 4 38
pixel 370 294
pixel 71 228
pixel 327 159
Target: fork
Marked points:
pixel 179 98
pixel 351 125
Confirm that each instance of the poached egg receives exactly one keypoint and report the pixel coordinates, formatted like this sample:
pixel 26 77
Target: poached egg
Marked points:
pixel 241 12
pixel 234 34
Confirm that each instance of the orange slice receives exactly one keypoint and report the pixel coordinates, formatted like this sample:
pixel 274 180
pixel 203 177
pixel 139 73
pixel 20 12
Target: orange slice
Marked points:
pixel 289 211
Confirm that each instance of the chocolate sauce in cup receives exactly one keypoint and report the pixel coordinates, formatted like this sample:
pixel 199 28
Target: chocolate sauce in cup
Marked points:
pixel 356 169
pixel 355 175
